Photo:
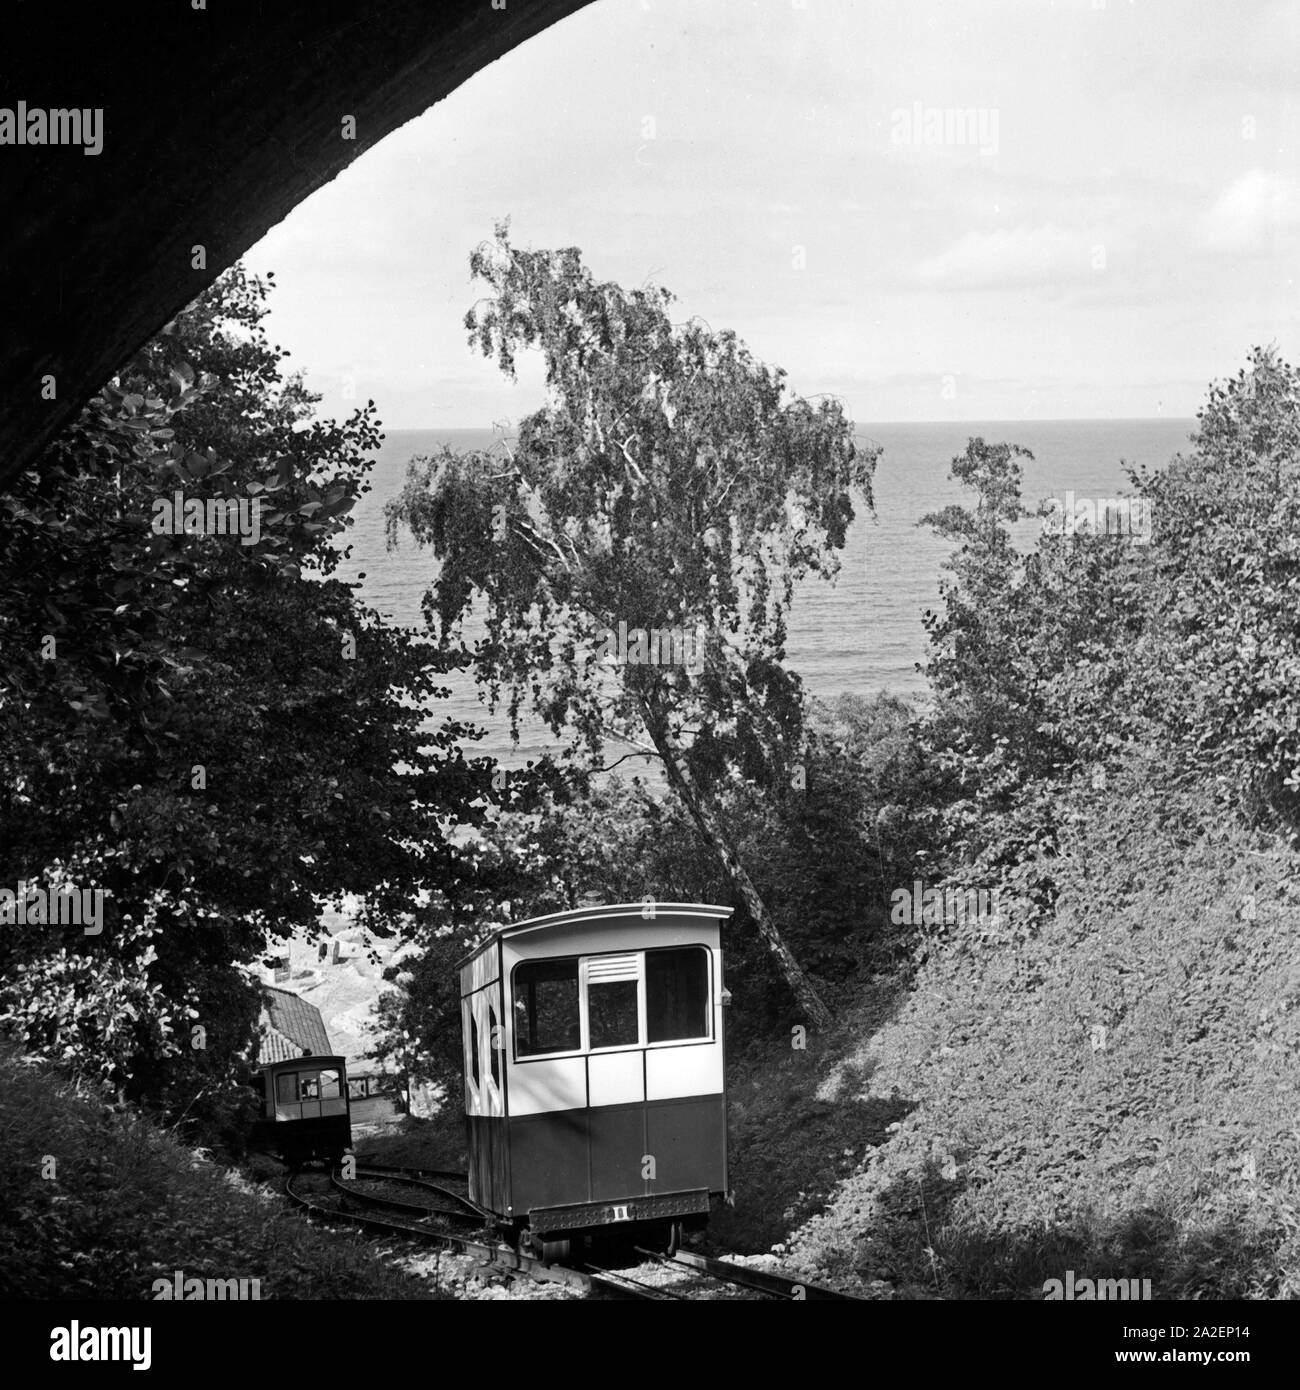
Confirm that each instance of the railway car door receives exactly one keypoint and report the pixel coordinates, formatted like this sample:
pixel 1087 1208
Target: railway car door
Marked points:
pixel 611 999
pixel 331 1096
pixel 482 1035
pixel 482 1039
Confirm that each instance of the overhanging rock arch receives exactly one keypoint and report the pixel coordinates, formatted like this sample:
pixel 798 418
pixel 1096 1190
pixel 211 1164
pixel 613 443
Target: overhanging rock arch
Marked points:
pixel 219 117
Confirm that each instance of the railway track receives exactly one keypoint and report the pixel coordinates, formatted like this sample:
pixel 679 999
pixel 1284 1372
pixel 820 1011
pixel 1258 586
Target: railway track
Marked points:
pixel 450 1174
pixel 423 1223
pixel 451 1221
pixel 781 1287
pixel 460 1209
pixel 415 1221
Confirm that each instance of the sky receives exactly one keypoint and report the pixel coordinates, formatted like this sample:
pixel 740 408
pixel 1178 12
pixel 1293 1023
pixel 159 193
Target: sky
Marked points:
pixel 1115 225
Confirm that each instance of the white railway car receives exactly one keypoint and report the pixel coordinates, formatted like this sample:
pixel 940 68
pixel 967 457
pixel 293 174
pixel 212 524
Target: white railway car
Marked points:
pixel 594 1091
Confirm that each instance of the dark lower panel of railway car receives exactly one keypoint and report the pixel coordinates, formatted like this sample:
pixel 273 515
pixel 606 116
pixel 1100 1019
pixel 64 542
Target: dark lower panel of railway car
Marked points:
pixel 328 1136
pixel 488 1161
pixel 571 1157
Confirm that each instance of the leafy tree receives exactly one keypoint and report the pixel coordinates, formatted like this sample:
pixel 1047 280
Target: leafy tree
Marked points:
pixel 824 859
pixel 1055 669
pixel 1217 669
pixel 521 864
pixel 218 735
pixel 667 484
pixel 1027 662
pixel 1116 732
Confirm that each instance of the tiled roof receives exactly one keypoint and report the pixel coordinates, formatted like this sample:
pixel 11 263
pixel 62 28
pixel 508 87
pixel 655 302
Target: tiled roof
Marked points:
pixel 275 1047
pixel 290 1025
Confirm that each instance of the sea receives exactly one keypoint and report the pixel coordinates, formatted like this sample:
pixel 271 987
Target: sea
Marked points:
pixel 863 634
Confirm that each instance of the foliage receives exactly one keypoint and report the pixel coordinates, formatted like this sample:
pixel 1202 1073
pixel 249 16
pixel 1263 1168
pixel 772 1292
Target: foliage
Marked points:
pixel 823 857
pixel 99 1203
pixel 1115 1095
pixel 1220 654
pixel 1107 1081
pixel 667 485
pixel 218 736
pixel 1051 670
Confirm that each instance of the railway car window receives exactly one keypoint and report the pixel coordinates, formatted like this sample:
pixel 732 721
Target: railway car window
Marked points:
pixel 494 1049
pixel 612 1014
pixel 676 994
pixel 286 1088
pixel 310 1086
pixel 613 1004
pixel 473 1044
pixel 546 1007
pixel 329 1085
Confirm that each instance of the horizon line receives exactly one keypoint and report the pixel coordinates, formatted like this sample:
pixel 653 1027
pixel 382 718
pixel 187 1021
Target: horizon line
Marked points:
pixel 865 424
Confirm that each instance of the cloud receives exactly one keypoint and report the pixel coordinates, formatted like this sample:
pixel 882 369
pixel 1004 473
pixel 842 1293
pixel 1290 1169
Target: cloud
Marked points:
pixel 1252 212
pixel 1007 258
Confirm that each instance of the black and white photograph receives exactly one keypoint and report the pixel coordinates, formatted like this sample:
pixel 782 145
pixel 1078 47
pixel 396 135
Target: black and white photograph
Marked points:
pixel 649 652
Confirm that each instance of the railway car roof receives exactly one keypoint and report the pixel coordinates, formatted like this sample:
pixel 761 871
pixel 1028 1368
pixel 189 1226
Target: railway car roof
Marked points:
pixel 305 1062
pixel 603 913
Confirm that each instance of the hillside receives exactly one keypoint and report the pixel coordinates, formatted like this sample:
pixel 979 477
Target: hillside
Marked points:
pixel 99 1203
pixel 1116 1096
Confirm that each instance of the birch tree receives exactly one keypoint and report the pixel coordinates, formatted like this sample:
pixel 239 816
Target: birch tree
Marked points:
pixel 670 483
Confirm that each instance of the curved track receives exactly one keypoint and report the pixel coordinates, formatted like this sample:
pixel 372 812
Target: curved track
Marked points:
pixel 435 1222
pixel 415 1224
pixel 461 1208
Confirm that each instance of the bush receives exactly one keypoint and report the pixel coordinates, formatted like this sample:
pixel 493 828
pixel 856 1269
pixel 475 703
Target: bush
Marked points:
pixel 99 1203
pixel 1116 1095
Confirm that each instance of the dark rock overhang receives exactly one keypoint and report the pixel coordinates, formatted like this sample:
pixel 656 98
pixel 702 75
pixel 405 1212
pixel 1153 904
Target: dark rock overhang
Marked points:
pixel 216 123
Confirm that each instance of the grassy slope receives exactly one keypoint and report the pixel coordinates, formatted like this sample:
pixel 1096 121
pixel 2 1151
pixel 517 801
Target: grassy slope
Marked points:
pixel 975 1136
pixel 1027 1143
pixel 126 1205
pixel 971 1138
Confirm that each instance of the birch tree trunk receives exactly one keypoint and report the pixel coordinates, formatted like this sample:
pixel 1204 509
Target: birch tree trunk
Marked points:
pixel 719 841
